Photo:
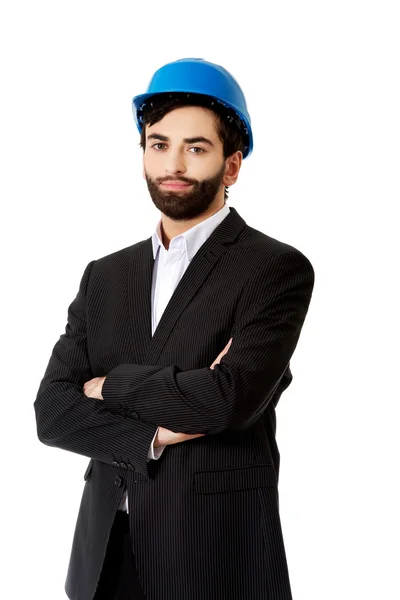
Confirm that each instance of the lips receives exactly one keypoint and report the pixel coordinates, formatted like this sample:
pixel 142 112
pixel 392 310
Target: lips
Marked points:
pixel 175 185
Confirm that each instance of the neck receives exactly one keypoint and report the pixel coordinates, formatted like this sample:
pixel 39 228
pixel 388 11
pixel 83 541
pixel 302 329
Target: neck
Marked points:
pixel 171 228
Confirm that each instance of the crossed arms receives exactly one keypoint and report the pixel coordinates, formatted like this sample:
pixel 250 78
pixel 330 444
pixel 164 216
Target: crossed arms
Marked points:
pixel 93 388
pixel 231 397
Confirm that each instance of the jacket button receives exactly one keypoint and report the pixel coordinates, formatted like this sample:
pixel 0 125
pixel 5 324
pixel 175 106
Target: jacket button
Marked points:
pixel 114 462
pixel 135 415
pixel 118 481
pixel 131 467
pixel 123 465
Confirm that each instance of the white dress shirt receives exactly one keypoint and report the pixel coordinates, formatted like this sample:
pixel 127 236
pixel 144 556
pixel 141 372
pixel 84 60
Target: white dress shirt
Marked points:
pixel 169 266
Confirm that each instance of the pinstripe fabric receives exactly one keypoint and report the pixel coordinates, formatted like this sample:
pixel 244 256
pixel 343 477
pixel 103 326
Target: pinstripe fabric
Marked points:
pixel 168 268
pixel 204 518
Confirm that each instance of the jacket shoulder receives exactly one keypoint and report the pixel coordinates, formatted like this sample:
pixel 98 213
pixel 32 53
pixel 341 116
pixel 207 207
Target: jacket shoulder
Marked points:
pixel 119 256
pixel 267 249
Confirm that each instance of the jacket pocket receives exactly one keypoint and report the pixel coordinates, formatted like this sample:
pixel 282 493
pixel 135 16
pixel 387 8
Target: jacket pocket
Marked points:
pixel 88 469
pixel 228 480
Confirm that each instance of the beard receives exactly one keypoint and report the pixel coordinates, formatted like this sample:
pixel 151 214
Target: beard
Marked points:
pixel 185 204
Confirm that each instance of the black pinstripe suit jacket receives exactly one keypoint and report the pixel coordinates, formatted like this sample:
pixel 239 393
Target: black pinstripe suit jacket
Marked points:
pixel 205 517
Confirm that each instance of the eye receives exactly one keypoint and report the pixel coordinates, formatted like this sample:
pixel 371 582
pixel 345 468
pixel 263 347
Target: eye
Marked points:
pixel 198 148
pixel 192 147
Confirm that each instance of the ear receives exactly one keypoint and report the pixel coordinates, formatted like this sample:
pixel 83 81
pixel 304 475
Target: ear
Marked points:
pixel 233 165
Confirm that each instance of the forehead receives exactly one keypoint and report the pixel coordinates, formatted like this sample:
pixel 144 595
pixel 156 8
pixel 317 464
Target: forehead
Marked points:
pixel 186 120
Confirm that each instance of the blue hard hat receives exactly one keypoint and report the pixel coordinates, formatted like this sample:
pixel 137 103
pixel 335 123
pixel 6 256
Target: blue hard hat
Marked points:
pixel 198 76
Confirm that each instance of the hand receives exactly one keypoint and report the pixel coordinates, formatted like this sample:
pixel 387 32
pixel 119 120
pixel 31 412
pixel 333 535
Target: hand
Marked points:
pixel 224 351
pixel 93 388
pixel 165 437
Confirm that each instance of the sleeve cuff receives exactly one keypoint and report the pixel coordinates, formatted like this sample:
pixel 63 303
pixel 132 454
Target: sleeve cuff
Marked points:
pixel 155 453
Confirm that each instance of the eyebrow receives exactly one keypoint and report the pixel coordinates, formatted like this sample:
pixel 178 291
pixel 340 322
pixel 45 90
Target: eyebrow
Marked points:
pixel 192 140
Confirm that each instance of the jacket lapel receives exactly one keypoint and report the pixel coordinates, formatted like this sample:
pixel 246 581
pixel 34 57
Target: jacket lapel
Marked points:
pixel 147 348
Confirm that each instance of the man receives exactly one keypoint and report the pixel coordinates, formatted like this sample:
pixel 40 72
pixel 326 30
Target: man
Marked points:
pixel 175 354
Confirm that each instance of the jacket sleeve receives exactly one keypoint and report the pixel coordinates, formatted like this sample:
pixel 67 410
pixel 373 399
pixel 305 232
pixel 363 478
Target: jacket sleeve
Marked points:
pixel 232 396
pixel 68 419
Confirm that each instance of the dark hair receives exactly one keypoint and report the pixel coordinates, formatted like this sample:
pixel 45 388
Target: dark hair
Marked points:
pixel 229 126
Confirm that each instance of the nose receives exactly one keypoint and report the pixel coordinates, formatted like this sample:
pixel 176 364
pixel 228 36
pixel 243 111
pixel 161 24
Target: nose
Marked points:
pixel 174 163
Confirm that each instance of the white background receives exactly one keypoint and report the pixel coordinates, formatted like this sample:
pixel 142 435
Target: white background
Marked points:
pixel 321 81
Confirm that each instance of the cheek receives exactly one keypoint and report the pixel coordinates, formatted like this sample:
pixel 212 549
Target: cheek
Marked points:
pixel 153 162
pixel 201 172
pixel 151 166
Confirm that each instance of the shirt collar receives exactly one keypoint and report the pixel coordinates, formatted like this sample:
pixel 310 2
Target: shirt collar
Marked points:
pixel 194 237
